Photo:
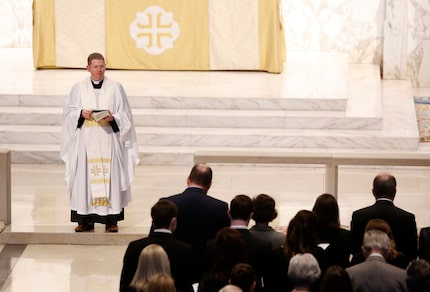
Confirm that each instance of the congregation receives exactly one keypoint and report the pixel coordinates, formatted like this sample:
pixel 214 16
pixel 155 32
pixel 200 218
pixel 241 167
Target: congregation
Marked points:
pixel 200 243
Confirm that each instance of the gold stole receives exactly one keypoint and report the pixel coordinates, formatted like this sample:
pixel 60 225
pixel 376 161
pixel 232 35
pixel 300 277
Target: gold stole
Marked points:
pixel 98 143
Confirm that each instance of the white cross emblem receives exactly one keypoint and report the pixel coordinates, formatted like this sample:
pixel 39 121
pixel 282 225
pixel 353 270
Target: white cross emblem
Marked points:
pixel 154 30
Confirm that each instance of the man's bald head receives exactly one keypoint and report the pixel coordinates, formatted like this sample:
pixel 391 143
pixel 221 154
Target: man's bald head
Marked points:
pixel 201 176
pixel 384 186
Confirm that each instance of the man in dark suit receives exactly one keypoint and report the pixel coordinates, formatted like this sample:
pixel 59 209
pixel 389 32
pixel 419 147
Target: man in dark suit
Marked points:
pixel 200 216
pixel 402 223
pixel 375 274
pixel 259 250
pixel 183 261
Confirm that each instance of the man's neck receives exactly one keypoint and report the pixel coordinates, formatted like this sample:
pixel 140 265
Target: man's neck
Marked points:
pixel 262 224
pixel 197 186
pixel 239 223
pixel 385 199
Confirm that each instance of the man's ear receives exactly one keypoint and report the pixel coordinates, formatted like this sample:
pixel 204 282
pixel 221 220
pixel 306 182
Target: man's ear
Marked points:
pixel 173 224
pixel 250 216
pixel 373 192
pixel 188 181
pixel 365 251
pixel 209 186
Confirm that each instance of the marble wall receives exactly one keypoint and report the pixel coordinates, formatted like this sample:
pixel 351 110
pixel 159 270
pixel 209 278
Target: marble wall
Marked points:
pixel 354 26
pixel 392 33
pixel 15 23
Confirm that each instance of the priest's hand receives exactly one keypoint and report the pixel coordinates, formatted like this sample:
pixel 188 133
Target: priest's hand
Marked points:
pixel 86 114
pixel 109 118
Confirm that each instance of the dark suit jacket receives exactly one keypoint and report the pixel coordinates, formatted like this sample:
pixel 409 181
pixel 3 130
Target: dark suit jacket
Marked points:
pixel 402 224
pixel 200 216
pixel 339 245
pixel 259 254
pixel 181 257
pixel 376 275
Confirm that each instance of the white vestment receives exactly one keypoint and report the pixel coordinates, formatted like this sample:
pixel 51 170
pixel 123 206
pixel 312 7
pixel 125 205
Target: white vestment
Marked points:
pixel 124 150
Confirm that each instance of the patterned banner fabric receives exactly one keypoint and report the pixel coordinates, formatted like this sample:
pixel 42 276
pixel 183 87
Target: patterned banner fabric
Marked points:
pixel 164 34
pixel 160 34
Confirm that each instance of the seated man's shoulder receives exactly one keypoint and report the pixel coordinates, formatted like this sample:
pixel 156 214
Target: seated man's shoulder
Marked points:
pixel 258 241
pixel 405 213
pixel 217 201
pixel 172 197
pixel 139 242
pixel 363 210
pixel 181 244
pixel 343 233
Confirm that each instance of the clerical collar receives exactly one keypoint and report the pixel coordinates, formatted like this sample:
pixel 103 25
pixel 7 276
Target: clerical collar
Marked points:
pixel 97 84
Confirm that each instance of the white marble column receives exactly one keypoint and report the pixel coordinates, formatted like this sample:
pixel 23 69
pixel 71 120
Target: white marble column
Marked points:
pixel 395 40
pixel 419 43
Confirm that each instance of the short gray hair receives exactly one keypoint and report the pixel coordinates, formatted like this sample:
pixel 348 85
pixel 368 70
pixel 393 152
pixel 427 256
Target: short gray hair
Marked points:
pixel 304 270
pixel 376 239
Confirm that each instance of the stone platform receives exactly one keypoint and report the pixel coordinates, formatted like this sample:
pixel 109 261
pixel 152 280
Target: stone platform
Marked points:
pixel 319 102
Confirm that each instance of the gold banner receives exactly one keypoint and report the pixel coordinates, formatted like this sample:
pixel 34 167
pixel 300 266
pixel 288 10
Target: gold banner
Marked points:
pixel 79 31
pixel 272 38
pixel 162 34
pixel 44 34
pixel 234 34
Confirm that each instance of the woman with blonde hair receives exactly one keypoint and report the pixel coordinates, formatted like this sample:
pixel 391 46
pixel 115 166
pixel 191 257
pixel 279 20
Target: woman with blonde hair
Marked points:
pixel 160 283
pixel 153 260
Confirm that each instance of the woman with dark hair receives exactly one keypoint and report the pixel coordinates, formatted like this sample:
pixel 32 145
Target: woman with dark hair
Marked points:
pixel 242 279
pixel 335 240
pixel 418 276
pixel 301 238
pixel 336 279
pixel 230 249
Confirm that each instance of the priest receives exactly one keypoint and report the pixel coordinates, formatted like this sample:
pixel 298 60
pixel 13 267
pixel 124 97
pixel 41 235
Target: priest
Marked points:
pixel 99 149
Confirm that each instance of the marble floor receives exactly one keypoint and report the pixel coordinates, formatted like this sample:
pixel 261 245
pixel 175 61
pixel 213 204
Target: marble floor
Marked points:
pixel 40 202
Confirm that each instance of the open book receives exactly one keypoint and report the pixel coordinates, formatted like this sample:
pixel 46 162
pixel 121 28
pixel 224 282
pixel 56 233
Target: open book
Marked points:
pixel 100 114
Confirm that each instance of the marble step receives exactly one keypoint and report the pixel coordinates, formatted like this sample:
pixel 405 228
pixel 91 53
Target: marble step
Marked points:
pixel 320 102
pixel 210 136
pixel 160 145
pixel 363 109
pixel 16 116
pixel 64 234
pixel 159 152
pixel 311 81
pixel 203 101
